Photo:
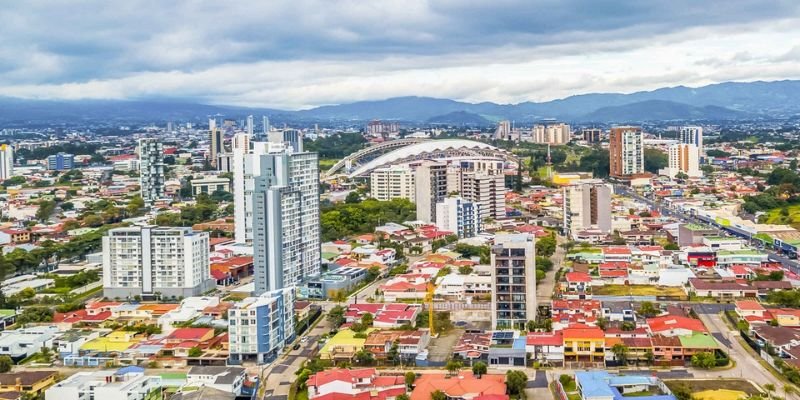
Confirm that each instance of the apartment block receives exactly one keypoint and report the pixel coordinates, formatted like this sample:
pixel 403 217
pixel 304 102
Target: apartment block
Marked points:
pixel 430 183
pixel 60 162
pixel 6 161
pixel 151 170
pixel 151 261
pixel 587 206
pixel 683 158
pixel 514 278
pixel 551 134
pixel 260 327
pixel 216 142
pixel 393 182
pixel 460 216
pixel 626 151
pixel 692 135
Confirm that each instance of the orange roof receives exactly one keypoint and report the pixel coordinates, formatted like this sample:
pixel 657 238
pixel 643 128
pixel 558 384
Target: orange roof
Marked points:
pixel 580 331
pixel 157 309
pixel 749 305
pixel 465 385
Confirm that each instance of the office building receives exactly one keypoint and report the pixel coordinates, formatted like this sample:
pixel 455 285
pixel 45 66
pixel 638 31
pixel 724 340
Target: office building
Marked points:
pixel 260 327
pixel 587 206
pixel 265 125
pixel 241 166
pixel 127 383
pixel 6 161
pixel 683 159
pixel 626 151
pixel 514 279
pixel 151 170
pixel 392 182
pixel 503 130
pixel 60 162
pixel 285 218
pixel 592 135
pixel 151 261
pixel 225 162
pixel 250 123
pixel 382 128
pixel 693 135
pixel 430 181
pixel 292 138
pixel 481 182
pixel 210 185
pixel 215 146
pixel 459 216
pixel 551 134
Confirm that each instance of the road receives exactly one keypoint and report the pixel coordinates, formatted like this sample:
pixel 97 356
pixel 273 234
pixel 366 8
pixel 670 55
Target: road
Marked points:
pixel 747 366
pixel 544 289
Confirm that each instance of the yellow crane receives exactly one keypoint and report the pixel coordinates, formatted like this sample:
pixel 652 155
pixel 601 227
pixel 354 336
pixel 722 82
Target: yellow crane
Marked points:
pixel 429 300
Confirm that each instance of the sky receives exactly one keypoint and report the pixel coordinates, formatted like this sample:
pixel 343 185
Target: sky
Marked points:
pixel 304 53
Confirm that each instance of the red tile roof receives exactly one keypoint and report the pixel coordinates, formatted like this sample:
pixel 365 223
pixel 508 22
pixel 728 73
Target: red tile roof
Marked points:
pixel 670 322
pixel 189 333
pixel 578 277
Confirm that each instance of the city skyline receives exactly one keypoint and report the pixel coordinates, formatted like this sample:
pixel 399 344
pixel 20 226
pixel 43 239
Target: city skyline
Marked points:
pixel 313 54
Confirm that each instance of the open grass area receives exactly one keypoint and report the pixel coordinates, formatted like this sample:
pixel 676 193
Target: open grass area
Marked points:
pixel 776 216
pixel 700 385
pixel 637 290
pixel 326 163
pixel 642 393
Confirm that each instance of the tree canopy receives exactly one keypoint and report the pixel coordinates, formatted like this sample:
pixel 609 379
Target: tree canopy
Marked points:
pixel 342 219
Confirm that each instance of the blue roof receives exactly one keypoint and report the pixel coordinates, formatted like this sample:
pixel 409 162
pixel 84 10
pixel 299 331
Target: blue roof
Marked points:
pixel 519 343
pixel 129 370
pixel 602 384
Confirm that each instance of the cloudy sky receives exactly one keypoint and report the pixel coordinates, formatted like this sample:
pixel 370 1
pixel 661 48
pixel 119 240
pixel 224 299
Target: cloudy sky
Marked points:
pixel 303 53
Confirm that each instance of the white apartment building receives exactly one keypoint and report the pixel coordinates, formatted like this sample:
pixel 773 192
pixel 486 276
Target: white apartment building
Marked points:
pixel 150 261
pixel 6 161
pixel 683 158
pixel 692 135
pixel 151 170
pixel 392 182
pixel 128 383
pixel 626 151
pixel 514 278
pixel 210 185
pixel 260 327
pixel 242 187
pixel 430 182
pixel 481 182
pixel 587 206
pixel 459 216
pixel 551 134
pixel 503 130
pixel 285 218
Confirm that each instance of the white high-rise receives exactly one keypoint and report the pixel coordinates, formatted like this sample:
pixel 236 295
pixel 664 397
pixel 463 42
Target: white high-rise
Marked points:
pixel 481 182
pixel 626 151
pixel 551 134
pixel 260 327
pixel 242 187
pixel 587 206
pixel 148 261
pixel 151 170
pixel 459 216
pixel 683 158
pixel 250 125
pixel 392 182
pixel 6 161
pixel 693 135
pixel 285 218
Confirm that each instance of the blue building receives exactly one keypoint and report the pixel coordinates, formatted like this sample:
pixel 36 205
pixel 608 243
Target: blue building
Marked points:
pixel 260 327
pixel 601 385
pixel 60 162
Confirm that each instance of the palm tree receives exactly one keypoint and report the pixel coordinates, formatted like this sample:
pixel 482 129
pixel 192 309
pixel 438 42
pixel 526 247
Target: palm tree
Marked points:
pixel 769 388
pixel 788 390
pixel 620 352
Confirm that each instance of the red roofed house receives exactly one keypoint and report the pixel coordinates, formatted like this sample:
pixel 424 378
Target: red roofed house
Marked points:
pixel 584 343
pixel 617 254
pixel 546 347
pixel 675 325
pixel 578 282
pixel 463 387
pixel 354 383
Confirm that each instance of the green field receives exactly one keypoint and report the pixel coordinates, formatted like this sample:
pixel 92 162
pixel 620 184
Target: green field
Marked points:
pixel 699 385
pixel 326 163
pixel 636 290
pixel 776 216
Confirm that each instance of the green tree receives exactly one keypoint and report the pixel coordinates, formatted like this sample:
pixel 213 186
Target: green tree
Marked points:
pixel 195 352
pixel 479 369
pixel 648 310
pixel 438 395
pixel 352 198
pixel 367 319
pixel 5 364
pixel 654 160
pixel 410 377
pixel 453 366
pixel 516 381
pixel 364 357
pixel 465 269
pixel 46 208
pixel 620 352
pixel 546 246
pixel 402 396
pixel 336 316
pixel 704 360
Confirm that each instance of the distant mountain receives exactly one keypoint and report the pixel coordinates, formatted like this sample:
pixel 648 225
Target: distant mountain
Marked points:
pixel 730 100
pixel 662 110
pixel 459 118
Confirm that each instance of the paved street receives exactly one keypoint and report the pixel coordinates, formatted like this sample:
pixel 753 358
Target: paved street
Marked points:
pixel 544 289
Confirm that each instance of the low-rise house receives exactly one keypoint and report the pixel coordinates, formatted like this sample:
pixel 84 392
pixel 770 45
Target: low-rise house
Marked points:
pixel 618 311
pixel 752 311
pixel 726 290
pixel 473 347
pixel 567 312
pixel 409 343
pixel 126 383
pixel 465 386
pixel 33 382
pixel 21 343
pixel 583 343
pixel 391 315
pixel 363 383
pixel 546 347
pixel 508 349
pixel 70 342
pixel 675 325
pixel 226 379
pixel 600 385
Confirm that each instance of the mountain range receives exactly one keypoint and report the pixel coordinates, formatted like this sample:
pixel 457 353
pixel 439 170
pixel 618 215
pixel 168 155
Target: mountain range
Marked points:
pixel 723 101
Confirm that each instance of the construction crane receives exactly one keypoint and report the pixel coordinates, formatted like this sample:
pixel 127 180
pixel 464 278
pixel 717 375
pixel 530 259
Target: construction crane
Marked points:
pixel 429 300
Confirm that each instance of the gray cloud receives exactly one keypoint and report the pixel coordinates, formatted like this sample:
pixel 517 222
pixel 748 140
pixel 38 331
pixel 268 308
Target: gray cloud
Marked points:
pixel 316 51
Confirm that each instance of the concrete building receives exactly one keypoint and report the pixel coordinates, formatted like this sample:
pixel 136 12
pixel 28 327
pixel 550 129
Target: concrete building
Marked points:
pixel 626 151
pixel 683 158
pixel 226 379
pixel 692 135
pixel 514 278
pixel 481 182
pixel 430 181
pixel 285 218
pixel 150 261
pixel 216 140
pixel 592 135
pixel 21 343
pixel 128 383
pixel 587 206
pixel 551 134
pixel 260 327
pixel 503 130
pixel 290 138
pixel 242 169
pixel 6 161
pixel 459 216
pixel 392 182
pixel 151 170
pixel 60 162
pixel 210 185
